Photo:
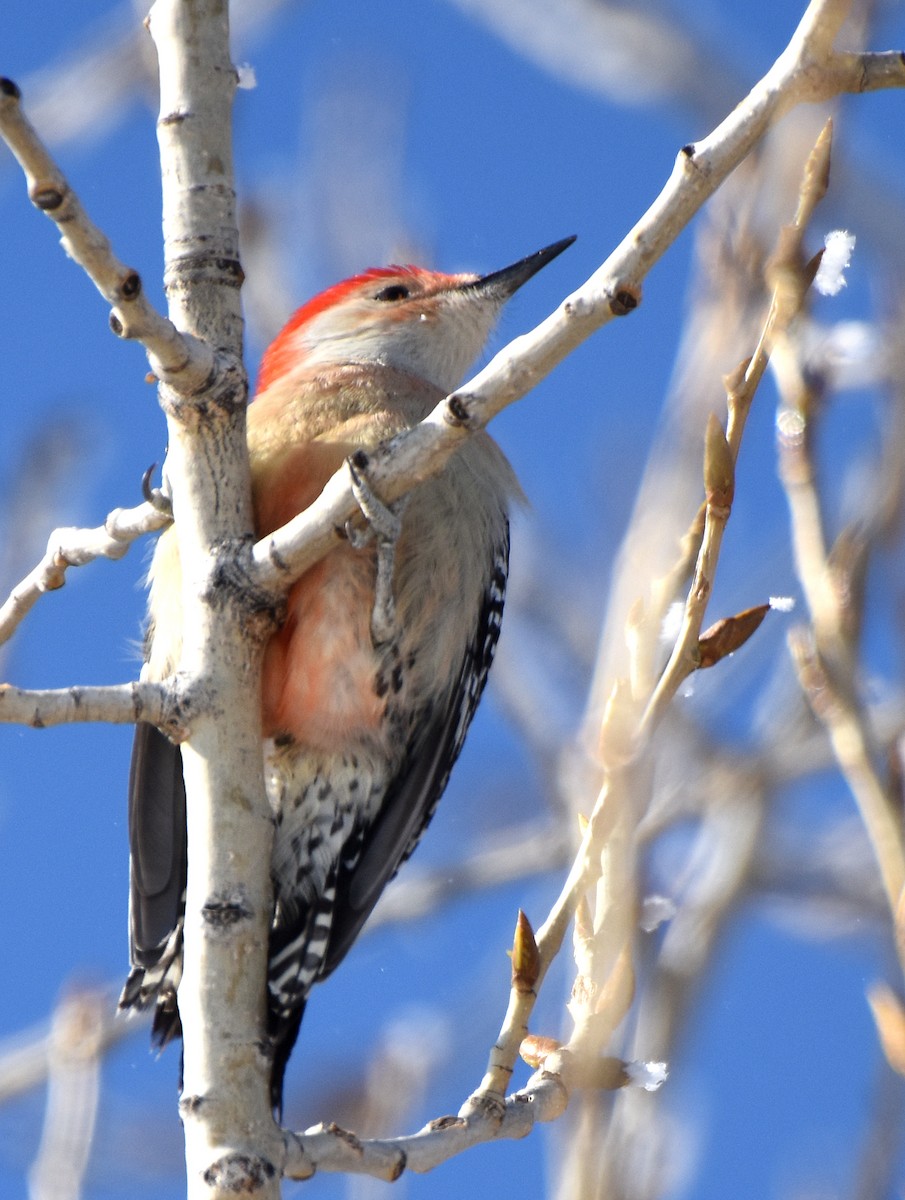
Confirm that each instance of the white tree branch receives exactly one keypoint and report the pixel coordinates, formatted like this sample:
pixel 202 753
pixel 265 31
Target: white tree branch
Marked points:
pixel 184 361
pixel 164 704
pixel 71 547
pixel 233 1145
pixel 75 1047
pixel 329 1148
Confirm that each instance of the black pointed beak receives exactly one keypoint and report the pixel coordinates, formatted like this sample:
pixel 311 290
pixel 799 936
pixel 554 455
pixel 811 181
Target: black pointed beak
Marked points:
pixel 510 279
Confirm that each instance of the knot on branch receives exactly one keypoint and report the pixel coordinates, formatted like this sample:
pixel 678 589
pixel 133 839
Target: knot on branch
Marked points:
pixel 242 1174
pixel 195 396
pixel 458 414
pixel 222 912
pixel 48 196
pixel 233 583
pixel 209 266
pixel 624 299
pixel 484 1106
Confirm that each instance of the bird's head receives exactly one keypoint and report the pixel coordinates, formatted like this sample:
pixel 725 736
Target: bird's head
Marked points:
pixel 423 322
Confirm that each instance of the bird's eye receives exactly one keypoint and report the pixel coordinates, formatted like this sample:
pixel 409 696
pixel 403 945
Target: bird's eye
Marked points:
pixel 396 291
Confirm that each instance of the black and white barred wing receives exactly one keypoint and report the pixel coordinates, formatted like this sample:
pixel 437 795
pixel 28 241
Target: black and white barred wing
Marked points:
pixel 375 855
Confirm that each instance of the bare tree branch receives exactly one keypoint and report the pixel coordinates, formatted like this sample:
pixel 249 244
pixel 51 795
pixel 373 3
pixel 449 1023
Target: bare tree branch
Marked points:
pixel 75 548
pixel 74 1051
pixel 166 704
pixel 184 361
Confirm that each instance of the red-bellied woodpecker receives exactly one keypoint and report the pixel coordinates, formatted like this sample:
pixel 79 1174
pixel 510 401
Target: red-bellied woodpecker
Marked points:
pixel 371 681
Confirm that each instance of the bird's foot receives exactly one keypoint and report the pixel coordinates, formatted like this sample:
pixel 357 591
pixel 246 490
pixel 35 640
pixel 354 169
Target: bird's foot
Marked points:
pixel 384 524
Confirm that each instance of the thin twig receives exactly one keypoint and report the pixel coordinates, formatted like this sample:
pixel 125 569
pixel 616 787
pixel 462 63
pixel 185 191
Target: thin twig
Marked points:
pixel 71 547
pixel 164 704
pixel 185 362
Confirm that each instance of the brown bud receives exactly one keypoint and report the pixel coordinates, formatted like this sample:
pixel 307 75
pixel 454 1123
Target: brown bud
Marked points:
pixel 535 1049
pixel 727 635
pixel 525 956
pixel 816 178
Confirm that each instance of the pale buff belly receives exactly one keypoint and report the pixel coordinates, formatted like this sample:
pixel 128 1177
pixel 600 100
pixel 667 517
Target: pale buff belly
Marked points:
pixel 320 669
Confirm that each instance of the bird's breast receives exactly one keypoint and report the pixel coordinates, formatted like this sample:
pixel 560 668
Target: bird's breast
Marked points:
pixel 320 669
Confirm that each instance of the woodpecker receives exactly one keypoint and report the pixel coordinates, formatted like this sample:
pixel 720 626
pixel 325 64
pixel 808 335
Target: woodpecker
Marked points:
pixel 365 703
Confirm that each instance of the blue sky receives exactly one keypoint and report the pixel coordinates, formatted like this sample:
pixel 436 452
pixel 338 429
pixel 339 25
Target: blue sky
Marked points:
pixel 375 133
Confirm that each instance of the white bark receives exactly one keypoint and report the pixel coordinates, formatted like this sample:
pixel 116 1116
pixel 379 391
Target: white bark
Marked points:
pixel 74 548
pixel 232 1143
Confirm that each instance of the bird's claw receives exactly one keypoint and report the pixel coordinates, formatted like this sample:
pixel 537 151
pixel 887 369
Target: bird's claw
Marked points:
pixel 156 497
